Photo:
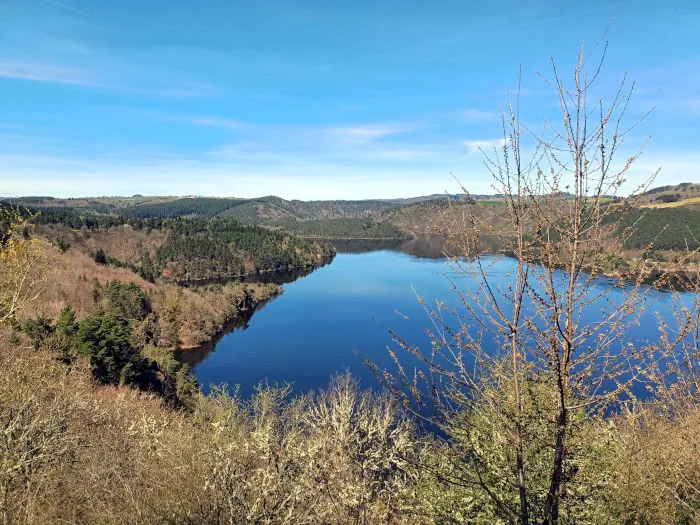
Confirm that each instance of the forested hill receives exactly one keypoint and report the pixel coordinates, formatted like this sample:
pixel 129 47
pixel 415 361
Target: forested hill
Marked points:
pixel 662 224
pixel 683 194
pixel 314 219
pixel 260 210
pixel 250 211
pixel 222 247
pixel 179 249
pixel 365 219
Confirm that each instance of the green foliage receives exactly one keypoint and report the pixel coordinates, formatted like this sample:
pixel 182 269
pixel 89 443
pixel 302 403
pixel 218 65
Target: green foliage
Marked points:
pixel 683 186
pixel 99 256
pixel 186 207
pixel 147 269
pixel 614 264
pixel 63 245
pixel 77 219
pixel 669 198
pixel 663 228
pixel 343 228
pixel 198 249
pixel 106 340
pixel 126 300
pixel 38 330
pixel 655 256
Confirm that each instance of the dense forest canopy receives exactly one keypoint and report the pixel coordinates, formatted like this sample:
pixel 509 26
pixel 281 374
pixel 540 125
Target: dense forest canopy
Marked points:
pixel 663 228
pixel 223 247
pixel 195 248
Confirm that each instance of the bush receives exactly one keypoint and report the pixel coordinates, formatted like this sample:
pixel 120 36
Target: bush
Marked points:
pixel 38 330
pixel 127 300
pixel 106 340
pixel 99 256
pixel 63 245
pixel 669 198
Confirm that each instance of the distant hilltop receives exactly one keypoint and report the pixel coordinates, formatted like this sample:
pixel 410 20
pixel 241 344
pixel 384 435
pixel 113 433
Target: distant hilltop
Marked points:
pixel 271 209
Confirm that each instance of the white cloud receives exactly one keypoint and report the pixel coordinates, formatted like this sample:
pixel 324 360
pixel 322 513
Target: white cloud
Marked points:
pixel 364 133
pixel 214 122
pixel 288 177
pixel 476 115
pixel 479 145
pixel 252 170
pixel 41 72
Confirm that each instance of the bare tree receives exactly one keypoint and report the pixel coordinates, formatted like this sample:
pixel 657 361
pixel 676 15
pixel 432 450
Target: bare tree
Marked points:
pixel 523 358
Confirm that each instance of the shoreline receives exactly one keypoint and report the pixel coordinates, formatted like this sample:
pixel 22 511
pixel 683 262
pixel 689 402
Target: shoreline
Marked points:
pixel 244 310
pixel 229 323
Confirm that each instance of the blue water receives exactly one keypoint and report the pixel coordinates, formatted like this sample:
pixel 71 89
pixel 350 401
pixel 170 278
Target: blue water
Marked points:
pixel 339 315
pixel 328 321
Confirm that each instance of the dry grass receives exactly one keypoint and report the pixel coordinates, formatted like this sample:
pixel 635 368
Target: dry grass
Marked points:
pixel 656 467
pixel 122 242
pixel 187 317
pixel 685 202
pixel 111 455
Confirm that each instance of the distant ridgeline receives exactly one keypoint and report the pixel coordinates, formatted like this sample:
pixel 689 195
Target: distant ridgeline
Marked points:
pixel 673 210
pixel 319 219
pixel 194 249
pixel 257 210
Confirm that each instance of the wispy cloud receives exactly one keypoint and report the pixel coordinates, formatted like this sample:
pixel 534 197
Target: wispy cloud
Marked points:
pixel 213 122
pixel 362 142
pixel 479 145
pixel 476 115
pixel 58 74
pixel 253 169
pixel 41 72
pixel 363 134
pixel 481 33
pixel 67 7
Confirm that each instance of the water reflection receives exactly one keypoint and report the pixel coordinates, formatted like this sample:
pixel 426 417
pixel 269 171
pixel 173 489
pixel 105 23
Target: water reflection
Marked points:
pixel 196 355
pixel 277 277
pixel 428 247
pixel 421 246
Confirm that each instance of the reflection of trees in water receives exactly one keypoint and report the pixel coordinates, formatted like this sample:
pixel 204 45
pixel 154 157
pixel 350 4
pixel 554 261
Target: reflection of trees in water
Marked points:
pixel 366 245
pixel 280 277
pixel 197 355
pixel 422 246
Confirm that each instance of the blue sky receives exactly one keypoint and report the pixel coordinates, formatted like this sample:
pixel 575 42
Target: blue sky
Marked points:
pixel 315 99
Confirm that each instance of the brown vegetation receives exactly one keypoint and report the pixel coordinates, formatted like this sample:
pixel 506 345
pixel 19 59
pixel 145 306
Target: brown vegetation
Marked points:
pixel 76 452
pixel 187 317
pixel 531 432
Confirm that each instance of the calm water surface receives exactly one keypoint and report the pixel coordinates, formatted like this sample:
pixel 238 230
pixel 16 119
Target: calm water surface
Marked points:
pixel 339 315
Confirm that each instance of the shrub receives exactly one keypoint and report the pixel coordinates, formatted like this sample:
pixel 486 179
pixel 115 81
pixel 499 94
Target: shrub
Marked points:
pixel 99 256
pixel 126 300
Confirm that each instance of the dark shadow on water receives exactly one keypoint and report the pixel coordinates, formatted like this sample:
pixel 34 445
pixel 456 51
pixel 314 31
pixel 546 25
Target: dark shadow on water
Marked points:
pixel 422 246
pixel 277 277
pixel 195 356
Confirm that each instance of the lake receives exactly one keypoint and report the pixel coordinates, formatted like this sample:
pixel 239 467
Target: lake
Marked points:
pixel 337 316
